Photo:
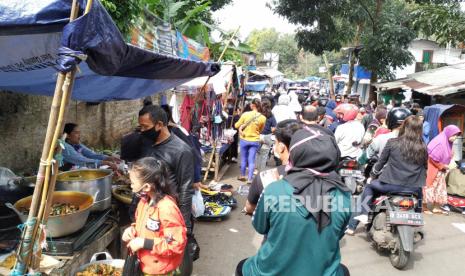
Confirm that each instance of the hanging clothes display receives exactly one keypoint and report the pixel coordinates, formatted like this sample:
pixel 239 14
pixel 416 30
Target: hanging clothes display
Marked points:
pixel 186 109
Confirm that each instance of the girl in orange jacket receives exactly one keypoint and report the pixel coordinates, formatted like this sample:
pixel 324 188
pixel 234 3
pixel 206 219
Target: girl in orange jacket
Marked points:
pixel 159 233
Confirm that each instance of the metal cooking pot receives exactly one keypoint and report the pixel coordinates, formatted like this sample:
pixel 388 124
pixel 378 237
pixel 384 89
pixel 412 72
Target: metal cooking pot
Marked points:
pixel 59 226
pixel 94 182
pixel 101 258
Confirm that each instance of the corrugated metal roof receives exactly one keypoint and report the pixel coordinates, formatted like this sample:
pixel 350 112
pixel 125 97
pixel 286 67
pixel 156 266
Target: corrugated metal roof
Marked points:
pixel 437 82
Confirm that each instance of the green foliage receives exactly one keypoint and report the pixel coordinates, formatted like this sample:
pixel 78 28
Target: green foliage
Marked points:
pixel 124 13
pixel 193 18
pixel 444 23
pixel 386 49
pixel 330 25
pixel 269 40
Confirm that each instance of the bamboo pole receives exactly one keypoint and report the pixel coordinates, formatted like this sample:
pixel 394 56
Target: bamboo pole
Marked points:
pixel 52 171
pixel 44 188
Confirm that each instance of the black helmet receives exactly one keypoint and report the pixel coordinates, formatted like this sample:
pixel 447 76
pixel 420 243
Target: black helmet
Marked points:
pixel 322 101
pixel 314 97
pixel 396 117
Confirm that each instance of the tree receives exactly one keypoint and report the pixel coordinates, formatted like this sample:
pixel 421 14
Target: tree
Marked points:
pixel 383 26
pixel 444 23
pixel 270 41
pixel 124 13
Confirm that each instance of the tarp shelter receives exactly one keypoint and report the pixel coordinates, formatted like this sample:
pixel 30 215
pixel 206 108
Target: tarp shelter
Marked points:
pixel 36 40
pixel 257 86
pixel 440 115
pixel 217 83
pixel 437 82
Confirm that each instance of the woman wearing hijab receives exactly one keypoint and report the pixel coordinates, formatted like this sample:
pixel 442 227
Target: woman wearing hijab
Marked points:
pixel 303 215
pixel 440 155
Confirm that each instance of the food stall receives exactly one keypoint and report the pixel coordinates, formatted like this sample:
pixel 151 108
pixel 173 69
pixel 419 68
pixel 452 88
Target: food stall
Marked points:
pixel 51 36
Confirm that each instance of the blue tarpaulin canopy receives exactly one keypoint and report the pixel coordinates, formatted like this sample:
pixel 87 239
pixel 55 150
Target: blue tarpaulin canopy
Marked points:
pixel 257 86
pixel 359 72
pixel 36 40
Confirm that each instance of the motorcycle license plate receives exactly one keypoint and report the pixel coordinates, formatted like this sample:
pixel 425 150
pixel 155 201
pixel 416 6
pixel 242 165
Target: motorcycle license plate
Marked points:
pixel 406 218
pixel 353 173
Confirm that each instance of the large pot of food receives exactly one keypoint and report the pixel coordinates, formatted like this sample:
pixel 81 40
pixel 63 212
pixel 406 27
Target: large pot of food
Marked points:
pixel 101 264
pixel 68 213
pixel 94 182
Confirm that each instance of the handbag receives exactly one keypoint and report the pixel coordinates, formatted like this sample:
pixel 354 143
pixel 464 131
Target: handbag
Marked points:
pixel 132 265
pixel 244 126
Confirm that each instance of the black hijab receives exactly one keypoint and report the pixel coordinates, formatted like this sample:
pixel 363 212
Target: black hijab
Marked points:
pixel 314 157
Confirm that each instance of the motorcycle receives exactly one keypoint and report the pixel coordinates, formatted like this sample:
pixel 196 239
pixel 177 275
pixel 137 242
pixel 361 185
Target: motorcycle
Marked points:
pixel 395 225
pixel 351 174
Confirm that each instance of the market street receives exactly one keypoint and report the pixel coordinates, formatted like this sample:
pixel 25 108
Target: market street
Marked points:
pixel 224 244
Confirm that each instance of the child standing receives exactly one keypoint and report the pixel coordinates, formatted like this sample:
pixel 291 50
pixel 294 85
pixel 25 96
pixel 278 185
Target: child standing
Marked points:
pixel 159 233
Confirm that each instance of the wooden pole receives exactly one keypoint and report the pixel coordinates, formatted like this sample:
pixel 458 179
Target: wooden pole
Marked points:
pixel 330 78
pixel 45 184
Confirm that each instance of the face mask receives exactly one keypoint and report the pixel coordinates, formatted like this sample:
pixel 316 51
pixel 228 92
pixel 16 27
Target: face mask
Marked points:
pixel 140 193
pixel 151 134
pixel 276 154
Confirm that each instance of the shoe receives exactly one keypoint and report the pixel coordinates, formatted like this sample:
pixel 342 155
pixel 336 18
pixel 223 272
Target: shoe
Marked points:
pixel 249 182
pixel 445 208
pixel 241 178
pixel 349 232
pixel 362 218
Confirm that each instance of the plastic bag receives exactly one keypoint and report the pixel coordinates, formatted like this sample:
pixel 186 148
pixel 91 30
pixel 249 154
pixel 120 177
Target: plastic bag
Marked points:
pixel 198 208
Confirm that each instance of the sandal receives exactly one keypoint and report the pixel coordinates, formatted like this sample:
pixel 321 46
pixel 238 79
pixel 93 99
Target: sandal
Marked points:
pixel 241 178
pixel 439 211
pixel 428 212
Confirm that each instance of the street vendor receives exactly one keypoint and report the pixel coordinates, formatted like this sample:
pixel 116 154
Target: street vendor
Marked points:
pixel 76 155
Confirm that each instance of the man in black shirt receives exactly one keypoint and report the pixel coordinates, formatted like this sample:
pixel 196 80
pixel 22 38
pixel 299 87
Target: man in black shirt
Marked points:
pixel 283 133
pixel 158 142
pixel 309 118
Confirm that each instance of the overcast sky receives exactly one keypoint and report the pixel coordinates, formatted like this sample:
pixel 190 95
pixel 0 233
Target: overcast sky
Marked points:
pixel 251 14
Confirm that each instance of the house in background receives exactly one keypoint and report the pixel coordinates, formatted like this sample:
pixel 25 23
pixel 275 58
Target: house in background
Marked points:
pixel 429 55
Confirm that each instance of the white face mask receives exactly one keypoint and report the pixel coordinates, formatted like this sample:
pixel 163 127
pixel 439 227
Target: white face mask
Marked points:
pixel 275 153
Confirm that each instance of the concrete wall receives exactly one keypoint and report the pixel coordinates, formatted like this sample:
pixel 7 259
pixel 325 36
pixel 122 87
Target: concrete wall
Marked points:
pixel 440 55
pixel 23 123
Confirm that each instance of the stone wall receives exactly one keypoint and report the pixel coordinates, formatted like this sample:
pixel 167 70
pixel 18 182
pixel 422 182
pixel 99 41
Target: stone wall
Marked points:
pixel 23 123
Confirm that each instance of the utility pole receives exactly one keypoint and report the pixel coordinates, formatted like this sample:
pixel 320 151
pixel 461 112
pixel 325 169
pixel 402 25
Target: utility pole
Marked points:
pixel 330 77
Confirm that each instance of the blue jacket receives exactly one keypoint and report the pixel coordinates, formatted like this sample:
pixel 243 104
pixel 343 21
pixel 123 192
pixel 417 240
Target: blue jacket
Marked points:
pixel 82 156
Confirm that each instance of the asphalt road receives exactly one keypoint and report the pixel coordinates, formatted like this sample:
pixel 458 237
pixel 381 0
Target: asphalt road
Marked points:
pixel 223 244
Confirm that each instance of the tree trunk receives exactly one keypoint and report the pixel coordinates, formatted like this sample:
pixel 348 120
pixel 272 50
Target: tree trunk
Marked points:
pixel 330 78
pixel 352 60
pixel 374 76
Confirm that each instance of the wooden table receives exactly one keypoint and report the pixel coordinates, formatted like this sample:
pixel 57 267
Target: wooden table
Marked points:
pixel 216 165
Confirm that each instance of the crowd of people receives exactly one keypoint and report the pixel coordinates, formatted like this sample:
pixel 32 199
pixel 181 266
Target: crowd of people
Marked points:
pixel 393 146
pixel 292 204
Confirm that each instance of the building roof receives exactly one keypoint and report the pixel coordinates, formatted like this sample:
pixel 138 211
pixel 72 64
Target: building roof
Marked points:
pixel 437 82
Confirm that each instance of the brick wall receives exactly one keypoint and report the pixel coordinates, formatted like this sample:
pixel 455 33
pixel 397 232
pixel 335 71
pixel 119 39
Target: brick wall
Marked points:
pixel 24 118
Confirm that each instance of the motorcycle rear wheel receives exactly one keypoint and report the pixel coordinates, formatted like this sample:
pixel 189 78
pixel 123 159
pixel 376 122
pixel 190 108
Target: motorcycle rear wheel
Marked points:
pixel 399 257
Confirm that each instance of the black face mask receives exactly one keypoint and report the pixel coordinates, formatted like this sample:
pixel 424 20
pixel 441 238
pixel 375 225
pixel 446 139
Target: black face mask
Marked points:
pixel 151 134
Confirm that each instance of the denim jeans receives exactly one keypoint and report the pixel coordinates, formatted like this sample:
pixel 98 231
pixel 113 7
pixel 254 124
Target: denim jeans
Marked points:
pixel 248 153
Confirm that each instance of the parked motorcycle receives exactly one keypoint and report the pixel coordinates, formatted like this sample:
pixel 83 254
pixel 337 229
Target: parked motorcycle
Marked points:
pixel 395 225
pixel 351 174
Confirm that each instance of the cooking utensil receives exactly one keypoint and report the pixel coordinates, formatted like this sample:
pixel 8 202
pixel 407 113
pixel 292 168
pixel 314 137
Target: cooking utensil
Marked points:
pixel 124 198
pixel 59 226
pixel 101 258
pixel 92 181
